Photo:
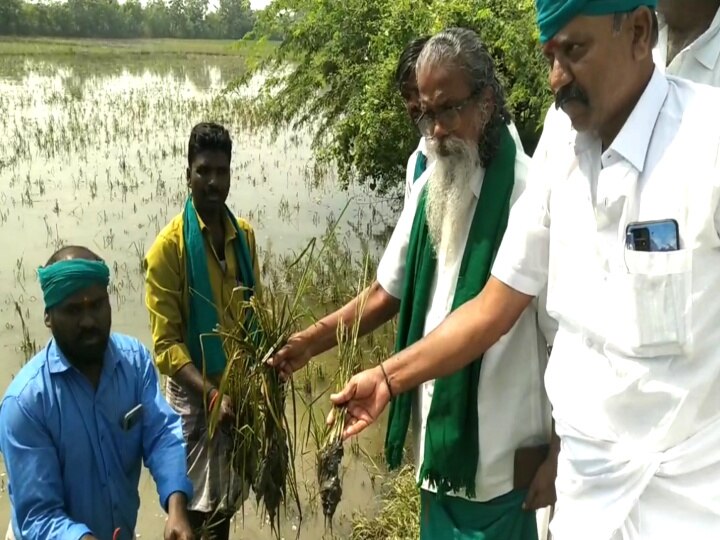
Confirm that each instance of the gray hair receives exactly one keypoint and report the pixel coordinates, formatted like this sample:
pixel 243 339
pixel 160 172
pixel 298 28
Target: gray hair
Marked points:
pixel 462 49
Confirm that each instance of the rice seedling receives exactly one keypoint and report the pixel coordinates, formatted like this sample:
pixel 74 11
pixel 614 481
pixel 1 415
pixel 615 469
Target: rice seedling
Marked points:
pixel 330 446
pixel 28 346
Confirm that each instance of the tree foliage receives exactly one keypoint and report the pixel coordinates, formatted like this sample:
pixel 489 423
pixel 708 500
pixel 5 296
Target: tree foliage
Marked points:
pixel 334 71
pixel 111 19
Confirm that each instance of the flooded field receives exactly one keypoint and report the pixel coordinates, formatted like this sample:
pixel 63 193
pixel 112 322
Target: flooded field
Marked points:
pixel 93 152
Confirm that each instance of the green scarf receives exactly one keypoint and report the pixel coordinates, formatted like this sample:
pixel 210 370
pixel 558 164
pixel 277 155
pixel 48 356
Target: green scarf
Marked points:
pixel 420 166
pixel 203 314
pixel 451 440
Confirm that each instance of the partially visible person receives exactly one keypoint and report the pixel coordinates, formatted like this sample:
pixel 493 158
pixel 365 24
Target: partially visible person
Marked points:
pixel 689 41
pixel 406 83
pixel 199 269
pixel 81 417
pixel 688 46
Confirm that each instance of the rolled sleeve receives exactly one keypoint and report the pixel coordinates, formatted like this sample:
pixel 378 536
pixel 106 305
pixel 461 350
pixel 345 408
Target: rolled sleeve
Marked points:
pixel 163 298
pixel 164 451
pixel 34 473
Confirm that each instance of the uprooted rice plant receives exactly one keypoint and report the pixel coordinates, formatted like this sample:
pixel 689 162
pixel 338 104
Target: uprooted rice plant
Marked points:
pixel 330 444
pixel 264 437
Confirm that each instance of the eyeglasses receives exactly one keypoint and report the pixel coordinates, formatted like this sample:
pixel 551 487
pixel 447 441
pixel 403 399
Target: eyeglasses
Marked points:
pixel 447 116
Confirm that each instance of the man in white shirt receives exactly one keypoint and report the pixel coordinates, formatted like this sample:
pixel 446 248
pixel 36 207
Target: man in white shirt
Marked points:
pixel 634 378
pixel 468 426
pixel 689 42
pixel 688 47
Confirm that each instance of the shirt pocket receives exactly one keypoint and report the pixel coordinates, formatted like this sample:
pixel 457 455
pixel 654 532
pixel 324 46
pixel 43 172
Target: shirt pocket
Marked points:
pixel 649 307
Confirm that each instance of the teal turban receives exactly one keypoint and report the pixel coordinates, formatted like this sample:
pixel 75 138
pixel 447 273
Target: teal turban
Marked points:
pixel 64 278
pixel 553 15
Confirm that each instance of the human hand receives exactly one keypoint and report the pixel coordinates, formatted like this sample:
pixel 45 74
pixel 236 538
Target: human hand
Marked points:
pixel 365 397
pixel 294 355
pixel 227 414
pixel 541 493
pixel 177 526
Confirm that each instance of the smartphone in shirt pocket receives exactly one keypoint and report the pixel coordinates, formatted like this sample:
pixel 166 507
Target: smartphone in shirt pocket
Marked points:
pixel 131 418
pixel 653 236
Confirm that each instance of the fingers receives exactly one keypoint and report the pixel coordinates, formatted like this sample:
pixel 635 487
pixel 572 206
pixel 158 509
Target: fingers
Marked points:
pixel 330 420
pixel 346 394
pixel 354 426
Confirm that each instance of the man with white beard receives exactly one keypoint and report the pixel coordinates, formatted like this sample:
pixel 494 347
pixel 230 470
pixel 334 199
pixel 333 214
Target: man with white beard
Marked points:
pixel 469 426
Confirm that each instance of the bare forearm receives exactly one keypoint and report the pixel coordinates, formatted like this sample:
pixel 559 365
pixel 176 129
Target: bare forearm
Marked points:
pixel 465 335
pixel 190 378
pixel 379 308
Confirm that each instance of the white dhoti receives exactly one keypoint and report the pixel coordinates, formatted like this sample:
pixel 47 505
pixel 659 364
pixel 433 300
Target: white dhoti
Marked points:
pixel 9 535
pixel 673 495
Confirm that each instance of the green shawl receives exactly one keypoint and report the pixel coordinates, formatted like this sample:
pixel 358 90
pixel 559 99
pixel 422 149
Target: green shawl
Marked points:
pixel 203 314
pixel 451 440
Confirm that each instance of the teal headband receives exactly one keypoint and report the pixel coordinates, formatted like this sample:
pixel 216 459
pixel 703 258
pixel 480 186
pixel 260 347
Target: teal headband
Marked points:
pixel 62 279
pixel 553 15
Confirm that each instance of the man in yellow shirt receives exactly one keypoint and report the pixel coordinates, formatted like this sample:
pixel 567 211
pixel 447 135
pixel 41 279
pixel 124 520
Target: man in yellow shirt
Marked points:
pixel 199 269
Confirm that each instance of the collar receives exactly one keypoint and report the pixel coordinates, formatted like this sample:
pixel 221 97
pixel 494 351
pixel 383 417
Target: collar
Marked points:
pixel 422 146
pixel 230 232
pixel 58 362
pixel 633 140
pixel 476 183
pixel 705 49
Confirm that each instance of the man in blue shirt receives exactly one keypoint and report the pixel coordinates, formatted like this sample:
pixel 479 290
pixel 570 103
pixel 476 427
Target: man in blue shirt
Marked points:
pixel 82 416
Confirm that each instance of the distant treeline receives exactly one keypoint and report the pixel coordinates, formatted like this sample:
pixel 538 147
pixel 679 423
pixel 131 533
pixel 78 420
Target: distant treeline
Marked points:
pixel 111 19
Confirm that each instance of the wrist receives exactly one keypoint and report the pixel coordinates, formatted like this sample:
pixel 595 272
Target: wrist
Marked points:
pixel 177 503
pixel 211 396
pixel 387 382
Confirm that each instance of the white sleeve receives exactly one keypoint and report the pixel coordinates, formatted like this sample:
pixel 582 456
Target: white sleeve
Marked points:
pixel 548 326
pixel 391 270
pixel 523 259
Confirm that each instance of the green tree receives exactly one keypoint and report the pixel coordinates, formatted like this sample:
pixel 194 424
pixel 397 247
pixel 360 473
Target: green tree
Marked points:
pixel 236 18
pixel 10 16
pixel 334 72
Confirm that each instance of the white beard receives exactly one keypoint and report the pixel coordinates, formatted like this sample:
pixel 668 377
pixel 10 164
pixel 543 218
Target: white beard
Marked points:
pixel 449 195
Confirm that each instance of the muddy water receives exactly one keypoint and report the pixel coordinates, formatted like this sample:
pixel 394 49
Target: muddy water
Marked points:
pixel 93 153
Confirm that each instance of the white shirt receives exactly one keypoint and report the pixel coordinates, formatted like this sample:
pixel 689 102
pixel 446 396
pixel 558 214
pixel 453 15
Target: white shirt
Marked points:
pixel 635 368
pixel 698 62
pixel 513 410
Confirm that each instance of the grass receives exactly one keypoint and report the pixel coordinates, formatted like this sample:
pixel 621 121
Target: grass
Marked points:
pixel 399 514
pixel 38 46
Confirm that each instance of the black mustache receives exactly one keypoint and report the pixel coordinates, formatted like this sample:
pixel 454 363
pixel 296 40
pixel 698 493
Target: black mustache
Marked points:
pixel 569 93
